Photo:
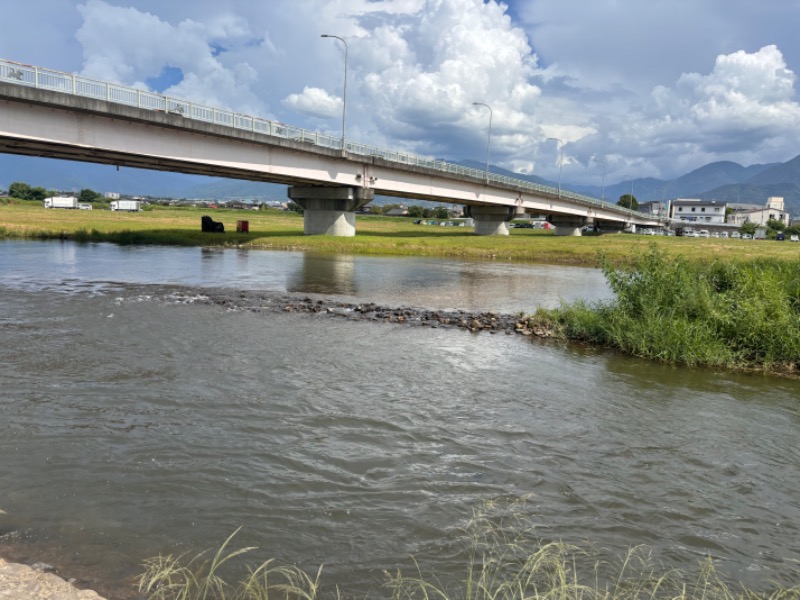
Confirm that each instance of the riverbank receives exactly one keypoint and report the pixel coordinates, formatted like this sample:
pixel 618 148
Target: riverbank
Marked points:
pixel 280 230
pixel 38 582
pixel 720 313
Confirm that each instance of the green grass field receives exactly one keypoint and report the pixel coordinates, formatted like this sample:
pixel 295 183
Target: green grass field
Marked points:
pixel 279 230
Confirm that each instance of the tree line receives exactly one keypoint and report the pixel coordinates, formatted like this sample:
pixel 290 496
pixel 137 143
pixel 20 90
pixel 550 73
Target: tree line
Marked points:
pixel 23 191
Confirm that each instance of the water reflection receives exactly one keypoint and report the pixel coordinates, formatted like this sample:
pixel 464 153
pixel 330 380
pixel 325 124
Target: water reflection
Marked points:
pixel 324 275
pixel 435 283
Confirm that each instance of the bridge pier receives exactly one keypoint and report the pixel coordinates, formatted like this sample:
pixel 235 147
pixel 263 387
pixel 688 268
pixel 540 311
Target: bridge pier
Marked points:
pixel 330 210
pixel 490 220
pixel 568 225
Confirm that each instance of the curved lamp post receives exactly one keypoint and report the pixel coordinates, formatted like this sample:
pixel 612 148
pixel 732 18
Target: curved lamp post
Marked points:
pixel 344 93
pixel 560 161
pixel 489 137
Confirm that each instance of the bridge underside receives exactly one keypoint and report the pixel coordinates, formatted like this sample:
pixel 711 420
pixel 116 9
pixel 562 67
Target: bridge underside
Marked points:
pixel 52 124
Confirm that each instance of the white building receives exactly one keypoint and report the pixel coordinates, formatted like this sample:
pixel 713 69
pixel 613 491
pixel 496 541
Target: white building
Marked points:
pixel 693 210
pixel 774 210
pixel 653 207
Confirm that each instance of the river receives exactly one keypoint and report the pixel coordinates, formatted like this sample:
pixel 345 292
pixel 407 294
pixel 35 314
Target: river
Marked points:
pixel 138 418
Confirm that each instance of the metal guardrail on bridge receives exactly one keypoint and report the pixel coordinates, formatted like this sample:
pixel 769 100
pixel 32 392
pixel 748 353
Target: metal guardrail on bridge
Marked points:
pixel 77 85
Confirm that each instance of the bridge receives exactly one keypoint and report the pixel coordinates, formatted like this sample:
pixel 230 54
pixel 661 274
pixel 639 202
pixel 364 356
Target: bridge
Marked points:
pixel 59 115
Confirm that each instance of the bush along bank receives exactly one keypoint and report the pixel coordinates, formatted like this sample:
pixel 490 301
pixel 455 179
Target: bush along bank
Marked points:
pixel 721 313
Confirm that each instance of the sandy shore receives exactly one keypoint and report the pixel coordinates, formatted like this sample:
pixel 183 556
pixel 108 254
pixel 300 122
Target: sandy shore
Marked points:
pixel 23 582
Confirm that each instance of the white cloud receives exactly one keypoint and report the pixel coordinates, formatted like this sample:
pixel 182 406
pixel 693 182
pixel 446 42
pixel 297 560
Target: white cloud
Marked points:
pixel 143 44
pixel 316 102
pixel 635 82
pixel 745 102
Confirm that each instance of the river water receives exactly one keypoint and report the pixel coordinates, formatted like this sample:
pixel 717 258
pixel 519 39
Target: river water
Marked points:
pixel 137 419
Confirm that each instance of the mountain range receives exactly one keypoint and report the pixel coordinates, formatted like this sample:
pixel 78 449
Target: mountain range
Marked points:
pixel 726 181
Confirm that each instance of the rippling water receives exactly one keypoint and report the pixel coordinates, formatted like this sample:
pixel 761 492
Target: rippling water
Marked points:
pixel 134 424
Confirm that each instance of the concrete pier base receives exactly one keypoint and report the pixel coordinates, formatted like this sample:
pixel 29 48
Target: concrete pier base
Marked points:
pixel 491 220
pixel 566 225
pixel 330 210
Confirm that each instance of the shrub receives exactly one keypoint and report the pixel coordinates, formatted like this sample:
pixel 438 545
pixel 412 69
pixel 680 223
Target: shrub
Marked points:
pixel 722 313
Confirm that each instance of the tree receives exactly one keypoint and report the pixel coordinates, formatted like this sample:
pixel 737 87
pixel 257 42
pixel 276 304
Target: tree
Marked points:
pixel 776 225
pixel 23 191
pixel 38 193
pixel 440 212
pixel 793 230
pixel 87 195
pixel 748 227
pixel 19 190
pixel 416 212
pixel 628 201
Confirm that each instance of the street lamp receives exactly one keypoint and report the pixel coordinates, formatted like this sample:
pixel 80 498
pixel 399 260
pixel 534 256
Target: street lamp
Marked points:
pixel 560 161
pixel 344 93
pixel 630 203
pixel 488 137
pixel 601 160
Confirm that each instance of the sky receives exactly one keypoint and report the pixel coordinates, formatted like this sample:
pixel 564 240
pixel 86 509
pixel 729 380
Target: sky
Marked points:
pixel 605 90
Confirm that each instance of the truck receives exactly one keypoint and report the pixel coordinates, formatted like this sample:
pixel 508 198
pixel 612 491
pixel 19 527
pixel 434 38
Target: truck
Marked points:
pixel 61 202
pixel 126 205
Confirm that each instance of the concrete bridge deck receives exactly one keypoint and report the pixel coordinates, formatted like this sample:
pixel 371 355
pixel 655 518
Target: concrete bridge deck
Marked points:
pixel 58 115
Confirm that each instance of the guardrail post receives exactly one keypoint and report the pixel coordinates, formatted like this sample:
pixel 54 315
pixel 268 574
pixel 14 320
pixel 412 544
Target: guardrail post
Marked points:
pixel 36 77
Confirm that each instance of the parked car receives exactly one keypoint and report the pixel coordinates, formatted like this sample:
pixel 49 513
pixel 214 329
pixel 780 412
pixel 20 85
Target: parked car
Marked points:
pixel 703 233
pixel 736 235
pixel 794 238
pixel 780 236
pixel 747 236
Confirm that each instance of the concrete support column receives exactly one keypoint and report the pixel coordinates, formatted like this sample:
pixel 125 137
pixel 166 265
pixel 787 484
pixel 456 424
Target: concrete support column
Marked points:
pixel 330 210
pixel 490 220
pixel 567 225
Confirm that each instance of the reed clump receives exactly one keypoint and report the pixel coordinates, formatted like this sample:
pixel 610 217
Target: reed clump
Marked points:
pixel 503 562
pixel 199 578
pixel 720 313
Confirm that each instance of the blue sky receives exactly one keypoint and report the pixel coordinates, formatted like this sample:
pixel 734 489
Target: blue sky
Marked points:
pixel 649 88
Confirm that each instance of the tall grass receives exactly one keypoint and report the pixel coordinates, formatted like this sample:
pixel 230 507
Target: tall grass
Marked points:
pixel 727 313
pixel 199 578
pixel 503 561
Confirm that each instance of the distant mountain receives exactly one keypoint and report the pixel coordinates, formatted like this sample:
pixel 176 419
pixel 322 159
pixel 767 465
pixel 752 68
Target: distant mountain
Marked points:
pixel 712 176
pixel 725 180
pixel 748 193
pixel 788 172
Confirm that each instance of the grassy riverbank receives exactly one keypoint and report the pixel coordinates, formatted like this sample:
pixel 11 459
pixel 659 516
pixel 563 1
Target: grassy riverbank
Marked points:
pixel 279 230
pixel 717 313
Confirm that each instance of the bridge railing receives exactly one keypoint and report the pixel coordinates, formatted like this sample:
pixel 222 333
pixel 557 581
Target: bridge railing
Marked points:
pixel 48 79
